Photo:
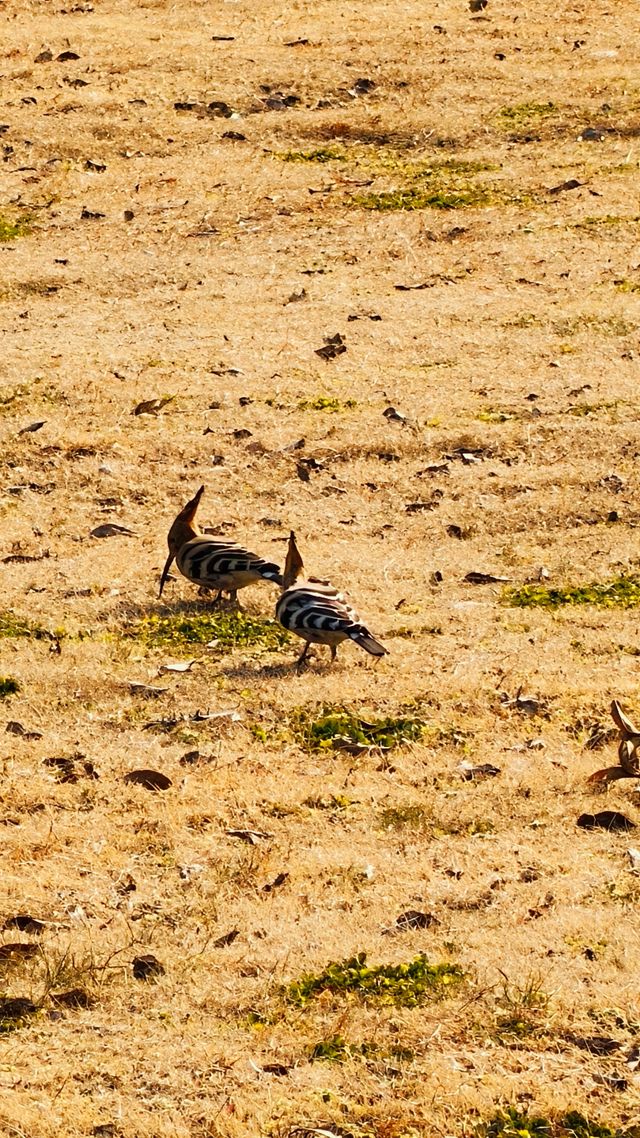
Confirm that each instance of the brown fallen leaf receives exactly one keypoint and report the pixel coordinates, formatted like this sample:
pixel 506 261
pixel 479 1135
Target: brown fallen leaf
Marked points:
pixel 110 529
pixel 611 820
pixel 150 780
pixel 18 950
pixel 26 924
pixel 32 428
pixel 147 967
pixel 571 184
pixel 414 919
pixel 181 667
pixel 276 883
pixel 152 406
pixel 333 346
pixel 471 773
pixel 15 728
pixel 74 998
pixel 475 578
pixel 145 690
pixel 250 836
pixel 227 938
pixel 16 1007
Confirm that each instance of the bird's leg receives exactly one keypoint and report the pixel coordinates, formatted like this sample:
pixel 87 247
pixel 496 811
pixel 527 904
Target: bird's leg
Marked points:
pixel 334 652
pixel 217 599
pixel 302 657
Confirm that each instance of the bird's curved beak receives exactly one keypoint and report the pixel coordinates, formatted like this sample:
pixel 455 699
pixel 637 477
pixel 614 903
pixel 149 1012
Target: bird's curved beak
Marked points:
pixel 165 572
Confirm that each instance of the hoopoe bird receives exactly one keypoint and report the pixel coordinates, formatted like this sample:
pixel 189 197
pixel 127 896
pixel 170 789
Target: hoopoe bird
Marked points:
pixel 318 613
pixel 210 562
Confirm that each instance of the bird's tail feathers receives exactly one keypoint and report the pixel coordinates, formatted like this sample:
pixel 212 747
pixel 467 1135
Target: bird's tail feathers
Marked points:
pixel 364 639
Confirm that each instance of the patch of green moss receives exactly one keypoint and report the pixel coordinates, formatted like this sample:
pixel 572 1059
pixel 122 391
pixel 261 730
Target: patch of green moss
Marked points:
pixel 327 403
pixel 336 727
pixel 417 197
pixel 222 630
pixel 324 154
pixel 412 816
pixel 513 1123
pixel 12 228
pixel 337 1050
pixel 403 985
pixel 8 686
pixel 522 113
pixel 334 802
pixel 627 286
pixel 583 409
pixel 606 325
pixel 622 593
pixel 604 221
pixel 14 627
pixel 494 415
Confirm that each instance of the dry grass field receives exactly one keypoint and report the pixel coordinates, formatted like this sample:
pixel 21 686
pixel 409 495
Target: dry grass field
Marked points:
pixel 193 199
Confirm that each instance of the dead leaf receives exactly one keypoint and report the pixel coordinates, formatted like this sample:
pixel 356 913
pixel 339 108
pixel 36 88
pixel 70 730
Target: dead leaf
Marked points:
pixel 18 950
pixel 44 57
pixel 26 924
pixel 67 56
pixel 110 529
pixel 611 820
pixel 150 780
pixel 152 406
pixel 250 836
pixel 471 773
pixel 333 346
pixel 145 690
pixel 15 728
pixel 182 667
pixel 634 859
pixel 32 428
pixel 74 998
pixel 147 967
pixel 93 165
pixel 227 938
pixel 414 919
pixel 16 1007
pixel 276 883
pixel 90 215
pixel 475 578
pixel 572 184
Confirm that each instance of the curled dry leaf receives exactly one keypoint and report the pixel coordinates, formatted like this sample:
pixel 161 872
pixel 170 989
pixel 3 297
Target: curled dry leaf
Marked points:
pixel 147 967
pixel 150 780
pixel 18 950
pixel 471 773
pixel 634 859
pixel 185 667
pixel 250 836
pixel 413 919
pixel 110 529
pixel 32 428
pixel 475 578
pixel 152 406
pixel 16 1007
pixel 227 938
pixel 15 728
pixel 333 346
pixel 145 690
pixel 74 998
pixel 611 820
pixel 26 924
pixel 276 883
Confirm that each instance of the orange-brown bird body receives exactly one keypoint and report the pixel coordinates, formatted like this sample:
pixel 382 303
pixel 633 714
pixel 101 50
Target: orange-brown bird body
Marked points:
pixel 318 613
pixel 210 562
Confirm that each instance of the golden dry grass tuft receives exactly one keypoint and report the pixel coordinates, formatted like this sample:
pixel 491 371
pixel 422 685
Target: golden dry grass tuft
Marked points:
pixel 196 200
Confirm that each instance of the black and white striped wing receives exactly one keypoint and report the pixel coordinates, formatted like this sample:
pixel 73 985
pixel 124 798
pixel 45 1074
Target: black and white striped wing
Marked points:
pixel 210 562
pixel 315 607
